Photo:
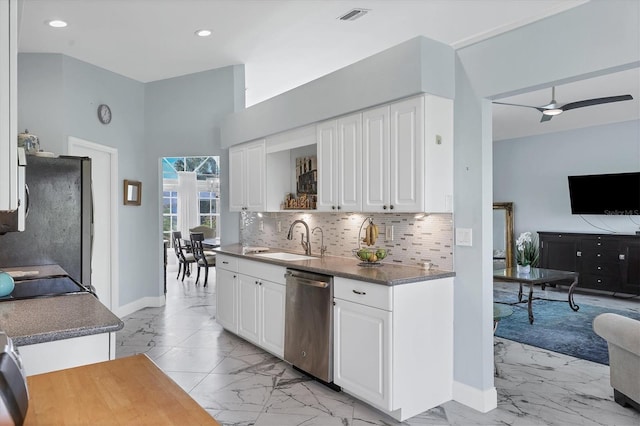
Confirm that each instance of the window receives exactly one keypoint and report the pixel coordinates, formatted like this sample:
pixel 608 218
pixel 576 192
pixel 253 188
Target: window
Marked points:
pixel 208 191
pixel 169 213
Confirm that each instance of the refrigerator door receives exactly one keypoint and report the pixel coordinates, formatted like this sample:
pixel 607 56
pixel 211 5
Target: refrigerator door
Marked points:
pixel 58 226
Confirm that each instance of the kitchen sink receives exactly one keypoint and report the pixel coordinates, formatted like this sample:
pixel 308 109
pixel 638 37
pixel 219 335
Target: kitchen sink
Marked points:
pixel 285 256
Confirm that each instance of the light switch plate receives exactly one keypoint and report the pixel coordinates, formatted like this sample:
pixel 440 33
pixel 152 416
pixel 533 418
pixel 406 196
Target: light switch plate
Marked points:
pixel 464 237
pixel 388 233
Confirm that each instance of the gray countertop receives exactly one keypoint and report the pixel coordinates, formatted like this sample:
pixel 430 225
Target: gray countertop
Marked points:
pixel 55 318
pixel 387 273
pixel 46 319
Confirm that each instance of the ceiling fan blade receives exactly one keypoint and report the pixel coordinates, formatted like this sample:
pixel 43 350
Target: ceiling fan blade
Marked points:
pixel 596 101
pixel 518 105
pixel 545 118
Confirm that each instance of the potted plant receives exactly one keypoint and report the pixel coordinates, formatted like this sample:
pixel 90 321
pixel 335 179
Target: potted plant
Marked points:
pixel 527 253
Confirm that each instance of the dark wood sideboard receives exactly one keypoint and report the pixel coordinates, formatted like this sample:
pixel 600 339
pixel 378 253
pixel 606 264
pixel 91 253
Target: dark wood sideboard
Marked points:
pixel 607 262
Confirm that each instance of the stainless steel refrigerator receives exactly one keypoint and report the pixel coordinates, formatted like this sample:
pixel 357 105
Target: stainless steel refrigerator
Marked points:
pixel 59 222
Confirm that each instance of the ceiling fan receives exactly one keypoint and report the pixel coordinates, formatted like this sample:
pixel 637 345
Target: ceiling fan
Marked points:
pixel 554 108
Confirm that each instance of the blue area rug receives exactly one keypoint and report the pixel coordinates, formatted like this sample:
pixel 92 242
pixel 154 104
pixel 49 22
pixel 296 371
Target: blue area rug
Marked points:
pixel 556 327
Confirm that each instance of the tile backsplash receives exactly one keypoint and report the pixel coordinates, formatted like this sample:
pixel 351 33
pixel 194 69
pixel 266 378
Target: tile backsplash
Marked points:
pixel 415 239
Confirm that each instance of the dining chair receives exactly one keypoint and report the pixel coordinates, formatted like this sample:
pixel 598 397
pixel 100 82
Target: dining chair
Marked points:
pixel 185 258
pixel 204 259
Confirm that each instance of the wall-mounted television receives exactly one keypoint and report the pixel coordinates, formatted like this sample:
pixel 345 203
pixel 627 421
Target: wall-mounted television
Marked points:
pixel 605 194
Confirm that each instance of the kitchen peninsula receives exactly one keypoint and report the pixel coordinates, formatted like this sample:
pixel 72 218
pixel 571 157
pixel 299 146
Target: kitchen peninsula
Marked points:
pixel 392 325
pixel 58 332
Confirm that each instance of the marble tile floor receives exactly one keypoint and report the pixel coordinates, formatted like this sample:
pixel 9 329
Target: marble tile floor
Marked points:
pixel 239 384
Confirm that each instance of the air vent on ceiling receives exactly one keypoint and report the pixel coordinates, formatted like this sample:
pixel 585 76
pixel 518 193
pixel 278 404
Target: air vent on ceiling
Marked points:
pixel 354 14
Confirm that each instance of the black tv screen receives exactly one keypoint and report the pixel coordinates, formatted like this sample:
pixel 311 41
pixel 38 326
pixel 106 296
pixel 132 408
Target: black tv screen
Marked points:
pixel 607 194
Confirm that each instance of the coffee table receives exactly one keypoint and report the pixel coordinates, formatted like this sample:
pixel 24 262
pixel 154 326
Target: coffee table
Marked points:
pixel 537 276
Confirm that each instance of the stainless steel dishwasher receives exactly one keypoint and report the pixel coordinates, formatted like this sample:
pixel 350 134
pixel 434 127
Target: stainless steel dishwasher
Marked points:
pixel 308 331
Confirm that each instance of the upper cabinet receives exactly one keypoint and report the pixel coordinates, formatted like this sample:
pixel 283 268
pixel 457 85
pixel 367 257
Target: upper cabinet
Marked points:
pixel 247 177
pixel 340 164
pixel 393 158
pixel 408 156
pixel 8 105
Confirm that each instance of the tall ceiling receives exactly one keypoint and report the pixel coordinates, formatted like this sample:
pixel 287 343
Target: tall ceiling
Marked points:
pixel 286 43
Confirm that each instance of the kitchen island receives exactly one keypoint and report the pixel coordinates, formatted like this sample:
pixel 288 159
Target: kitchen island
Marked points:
pixel 59 332
pixel 391 326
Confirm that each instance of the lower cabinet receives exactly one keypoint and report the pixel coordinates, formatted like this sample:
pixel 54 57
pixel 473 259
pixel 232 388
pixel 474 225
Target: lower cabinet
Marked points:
pixel 362 362
pixel 67 353
pixel 252 304
pixel 226 299
pixel 393 345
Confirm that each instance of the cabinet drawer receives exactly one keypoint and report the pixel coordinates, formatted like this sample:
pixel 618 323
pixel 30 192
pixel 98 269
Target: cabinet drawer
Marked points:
pixel 599 244
pixel 229 263
pixel 264 271
pixel 602 268
pixel 599 255
pixel 374 295
pixel 599 282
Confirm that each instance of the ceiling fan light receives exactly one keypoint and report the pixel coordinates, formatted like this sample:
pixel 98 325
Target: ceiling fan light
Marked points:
pixel 553 111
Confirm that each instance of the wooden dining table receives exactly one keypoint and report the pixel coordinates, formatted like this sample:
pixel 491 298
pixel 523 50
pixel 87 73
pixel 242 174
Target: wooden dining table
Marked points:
pixel 124 391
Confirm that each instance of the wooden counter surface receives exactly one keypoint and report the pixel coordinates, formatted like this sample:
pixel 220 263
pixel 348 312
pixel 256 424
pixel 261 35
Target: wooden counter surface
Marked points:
pixel 124 391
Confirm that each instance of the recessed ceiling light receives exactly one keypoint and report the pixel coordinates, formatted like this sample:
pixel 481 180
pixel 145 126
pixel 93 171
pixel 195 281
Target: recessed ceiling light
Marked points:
pixel 57 23
pixel 203 33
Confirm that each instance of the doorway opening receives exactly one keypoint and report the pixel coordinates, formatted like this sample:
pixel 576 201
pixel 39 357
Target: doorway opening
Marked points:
pixel 190 197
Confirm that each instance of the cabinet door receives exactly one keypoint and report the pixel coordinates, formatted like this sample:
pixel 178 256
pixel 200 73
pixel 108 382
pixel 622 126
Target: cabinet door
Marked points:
pixel 248 314
pixel 406 155
pixel 256 177
pixel 349 160
pixel 237 184
pixel 362 352
pixel 375 160
pixel 226 299
pixel 326 133
pixel 272 297
pixel 630 263
pixel 8 105
pixel 558 251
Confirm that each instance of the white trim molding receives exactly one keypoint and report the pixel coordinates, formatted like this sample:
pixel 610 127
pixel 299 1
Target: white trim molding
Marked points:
pixel 480 400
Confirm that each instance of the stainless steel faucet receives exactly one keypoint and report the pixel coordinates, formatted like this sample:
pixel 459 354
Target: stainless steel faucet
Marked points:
pixel 323 248
pixel 305 244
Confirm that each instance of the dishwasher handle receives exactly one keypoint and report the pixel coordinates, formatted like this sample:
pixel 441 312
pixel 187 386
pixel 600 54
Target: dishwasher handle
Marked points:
pixel 306 281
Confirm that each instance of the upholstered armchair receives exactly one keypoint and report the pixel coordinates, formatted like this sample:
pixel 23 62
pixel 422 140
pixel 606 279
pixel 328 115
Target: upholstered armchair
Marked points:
pixel 623 339
pixel 207 231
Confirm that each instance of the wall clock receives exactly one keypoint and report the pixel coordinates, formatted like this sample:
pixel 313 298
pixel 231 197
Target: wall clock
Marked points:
pixel 104 114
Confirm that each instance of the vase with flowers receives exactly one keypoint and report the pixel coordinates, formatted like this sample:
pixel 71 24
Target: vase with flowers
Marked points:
pixel 527 253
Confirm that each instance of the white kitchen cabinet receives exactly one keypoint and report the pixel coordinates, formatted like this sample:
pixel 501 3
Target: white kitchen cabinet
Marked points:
pixel 363 351
pixel 340 164
pixel 408 156
pixel 247 177
pixel 9 188
pixel 67 353
pixel 272 308
pixel 393 345
pixel 248 305
pixel 226 294
pixel 252 304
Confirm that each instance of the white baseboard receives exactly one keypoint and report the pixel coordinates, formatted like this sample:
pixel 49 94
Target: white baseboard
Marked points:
pixel 145 302
pixel 480 400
